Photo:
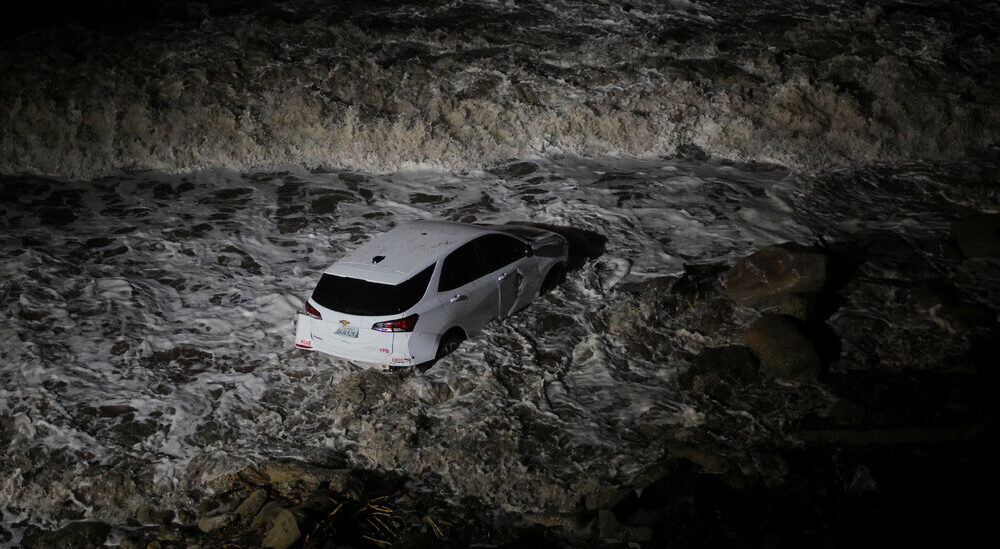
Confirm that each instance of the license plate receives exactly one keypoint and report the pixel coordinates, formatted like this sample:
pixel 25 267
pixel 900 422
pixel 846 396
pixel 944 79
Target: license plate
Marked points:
pixel 347 331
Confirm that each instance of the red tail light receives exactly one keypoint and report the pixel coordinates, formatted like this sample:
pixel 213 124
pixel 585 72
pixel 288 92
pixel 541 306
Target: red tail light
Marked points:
pixel 311 311
pixel 401 325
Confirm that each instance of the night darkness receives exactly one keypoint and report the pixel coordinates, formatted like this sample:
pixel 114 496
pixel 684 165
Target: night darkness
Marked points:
pixel 778 325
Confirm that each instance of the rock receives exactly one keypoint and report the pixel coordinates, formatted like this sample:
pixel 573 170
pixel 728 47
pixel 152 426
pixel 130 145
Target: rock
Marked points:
pixel 610 498
pixel 348 484
pixel 267 515
pixel 517 169
pixel 320 501
pixel 978 236
pixel 566 521
pixel 927 295
pixel 251 505
pixel 695 454
pixel 284 532
pixel 948 308
pixel 212 523
pixel 779 279
pixel 147 515
pixel 78 535
pixel 734 364
pixel 607 526
pixel 785 352
pixel 288 477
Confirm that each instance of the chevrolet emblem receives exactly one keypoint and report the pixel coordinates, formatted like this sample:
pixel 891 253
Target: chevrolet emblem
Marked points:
pixel 344 322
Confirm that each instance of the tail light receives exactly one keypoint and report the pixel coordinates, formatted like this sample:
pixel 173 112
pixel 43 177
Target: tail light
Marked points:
pixel 311 311
pixel 401 325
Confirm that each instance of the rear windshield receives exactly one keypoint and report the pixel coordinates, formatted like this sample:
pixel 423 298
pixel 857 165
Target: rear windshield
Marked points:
pixel 360 297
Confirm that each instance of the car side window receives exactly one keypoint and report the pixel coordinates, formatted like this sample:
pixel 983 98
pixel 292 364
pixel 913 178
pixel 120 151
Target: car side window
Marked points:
pixel 461 267
pixel 499 250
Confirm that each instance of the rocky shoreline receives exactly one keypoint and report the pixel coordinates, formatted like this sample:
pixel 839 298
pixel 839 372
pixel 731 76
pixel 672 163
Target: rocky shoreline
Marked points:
pixel 856 452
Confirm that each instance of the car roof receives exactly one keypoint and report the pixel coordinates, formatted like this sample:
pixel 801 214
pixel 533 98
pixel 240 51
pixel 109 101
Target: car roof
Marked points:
pixel 406 250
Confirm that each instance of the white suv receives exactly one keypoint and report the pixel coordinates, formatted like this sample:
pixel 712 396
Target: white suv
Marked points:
pixel 411 295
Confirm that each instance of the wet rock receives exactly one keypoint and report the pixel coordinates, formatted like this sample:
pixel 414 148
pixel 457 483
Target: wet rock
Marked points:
pixel 267 515
pixel 284 533
pixel 148 515
pixel 290 477
pixel 346 483
pixel 351 177
pixel 78 535
pixel 780 279
pixel 978 236
pixel 707 459
pixel 609 498
pixel 251 505
pixel 327 204
pixel 784 350
pixel 213 523
pixel 948 308
pixel 927 295
pixel 607 526
pixel 517 169
pixel 566 521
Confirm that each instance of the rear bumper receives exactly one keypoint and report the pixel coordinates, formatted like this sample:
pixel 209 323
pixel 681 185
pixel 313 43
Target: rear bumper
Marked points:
pixel 400 346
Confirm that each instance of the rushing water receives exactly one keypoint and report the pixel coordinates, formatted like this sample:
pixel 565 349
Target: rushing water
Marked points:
pixel 206 160
pixel 383 86
pixel 148 345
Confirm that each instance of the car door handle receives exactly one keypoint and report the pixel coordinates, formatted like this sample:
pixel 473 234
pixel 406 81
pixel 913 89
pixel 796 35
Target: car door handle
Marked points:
pixel 459 297
pixel 503 276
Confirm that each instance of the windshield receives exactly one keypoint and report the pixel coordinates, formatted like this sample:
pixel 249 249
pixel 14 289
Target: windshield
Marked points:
pixel 354 296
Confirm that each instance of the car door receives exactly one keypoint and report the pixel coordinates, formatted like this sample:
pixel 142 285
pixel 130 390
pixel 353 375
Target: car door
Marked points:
pixel 511 265
pixel 469 296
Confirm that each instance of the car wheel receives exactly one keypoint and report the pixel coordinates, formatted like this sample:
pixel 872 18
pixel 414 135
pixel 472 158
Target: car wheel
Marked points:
pixel 449 342
pixel 556 276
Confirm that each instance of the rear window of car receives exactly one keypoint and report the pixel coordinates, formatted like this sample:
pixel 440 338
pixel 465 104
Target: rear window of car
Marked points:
pixel 354 296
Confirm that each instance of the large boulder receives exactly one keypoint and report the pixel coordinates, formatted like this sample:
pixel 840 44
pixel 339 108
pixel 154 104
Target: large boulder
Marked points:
pixel 784 350
pixel 779 279
pixel 978 235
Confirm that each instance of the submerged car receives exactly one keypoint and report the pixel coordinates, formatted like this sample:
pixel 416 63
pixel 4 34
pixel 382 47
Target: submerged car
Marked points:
pixel 413 294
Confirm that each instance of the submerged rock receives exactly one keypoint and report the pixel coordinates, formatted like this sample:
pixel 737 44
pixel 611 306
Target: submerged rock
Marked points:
pixel 784 350
pixel 978 235
pixel 779 279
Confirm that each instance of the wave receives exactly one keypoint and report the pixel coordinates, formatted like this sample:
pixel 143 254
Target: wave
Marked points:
pixel 381 88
